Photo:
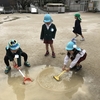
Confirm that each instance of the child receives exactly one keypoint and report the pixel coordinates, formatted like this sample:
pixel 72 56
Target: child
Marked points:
pixel 48 33
pixel 13 50
pixel 76 55
pixel 77 27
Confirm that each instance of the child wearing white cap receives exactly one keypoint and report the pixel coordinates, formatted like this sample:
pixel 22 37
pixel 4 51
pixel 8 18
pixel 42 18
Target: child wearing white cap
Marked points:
pixel 13 50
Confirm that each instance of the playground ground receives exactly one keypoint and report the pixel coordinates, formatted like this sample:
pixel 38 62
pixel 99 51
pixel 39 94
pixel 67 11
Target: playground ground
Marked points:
pixel 26 28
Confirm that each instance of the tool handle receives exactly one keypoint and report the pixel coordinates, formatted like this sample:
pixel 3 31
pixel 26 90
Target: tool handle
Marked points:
pixel 21 72
pixel 16 66
pixel 61 73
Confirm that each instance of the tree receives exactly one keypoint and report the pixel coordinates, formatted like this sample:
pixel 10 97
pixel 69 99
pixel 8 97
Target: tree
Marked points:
pixel 24 3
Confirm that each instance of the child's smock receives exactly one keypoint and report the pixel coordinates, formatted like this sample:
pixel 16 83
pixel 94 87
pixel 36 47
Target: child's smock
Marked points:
pixel 74 62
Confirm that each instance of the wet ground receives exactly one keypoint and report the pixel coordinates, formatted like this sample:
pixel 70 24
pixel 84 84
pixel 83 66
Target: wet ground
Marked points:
pixel 25 28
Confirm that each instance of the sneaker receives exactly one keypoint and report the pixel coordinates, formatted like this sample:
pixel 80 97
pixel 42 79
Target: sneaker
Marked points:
pixel 74 40
pixel 74 68
pixel 7 70
pixel 46 54
pixel 78 68
pixel 53 55
pixel 26 64
pixel 82 39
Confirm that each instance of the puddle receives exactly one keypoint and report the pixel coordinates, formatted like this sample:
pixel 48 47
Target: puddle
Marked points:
pixel 46 80
pixel 43 86
pixel 8 19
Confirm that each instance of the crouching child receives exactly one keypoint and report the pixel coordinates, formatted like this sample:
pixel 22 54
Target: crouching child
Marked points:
pixel 13 50
pixel 76 55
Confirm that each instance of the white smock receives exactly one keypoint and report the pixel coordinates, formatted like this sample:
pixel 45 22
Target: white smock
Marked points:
pixel 74 62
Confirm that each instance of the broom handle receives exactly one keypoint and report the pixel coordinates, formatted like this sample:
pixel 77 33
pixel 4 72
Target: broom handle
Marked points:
pixel 61 73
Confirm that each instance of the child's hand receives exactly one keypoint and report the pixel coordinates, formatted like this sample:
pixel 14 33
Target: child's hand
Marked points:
pixel 64 68
pixel 14 63
pixel 67 69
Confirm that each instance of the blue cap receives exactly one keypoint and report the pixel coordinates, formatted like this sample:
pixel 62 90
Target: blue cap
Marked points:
pixel 47 18
pixel 72 45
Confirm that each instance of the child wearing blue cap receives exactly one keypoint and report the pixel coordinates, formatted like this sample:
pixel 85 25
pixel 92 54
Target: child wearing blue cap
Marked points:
pixel 76 54
pixel 13 50
pixel 77 27
pixel 48 33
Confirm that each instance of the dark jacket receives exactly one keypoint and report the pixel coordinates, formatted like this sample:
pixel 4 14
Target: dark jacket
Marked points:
pixel 77 27
pixel 11 55
pixel 48 34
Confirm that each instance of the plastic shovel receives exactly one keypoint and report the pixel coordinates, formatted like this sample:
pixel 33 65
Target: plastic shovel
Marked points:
pixel 25 78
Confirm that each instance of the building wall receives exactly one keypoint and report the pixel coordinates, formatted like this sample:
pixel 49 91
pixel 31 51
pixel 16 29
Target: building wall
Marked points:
pixel 78 6
pixel 98 5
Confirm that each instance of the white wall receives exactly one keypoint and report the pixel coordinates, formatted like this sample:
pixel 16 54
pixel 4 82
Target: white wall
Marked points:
pixel 98 5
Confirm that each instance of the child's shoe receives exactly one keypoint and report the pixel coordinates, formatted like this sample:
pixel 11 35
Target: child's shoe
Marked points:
pixel 53 55
pixel 7 70
pixel 74 68
pixel 76 36
pixel 78 68
pixel 82 39
pixel 27 64
pixel 46 54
